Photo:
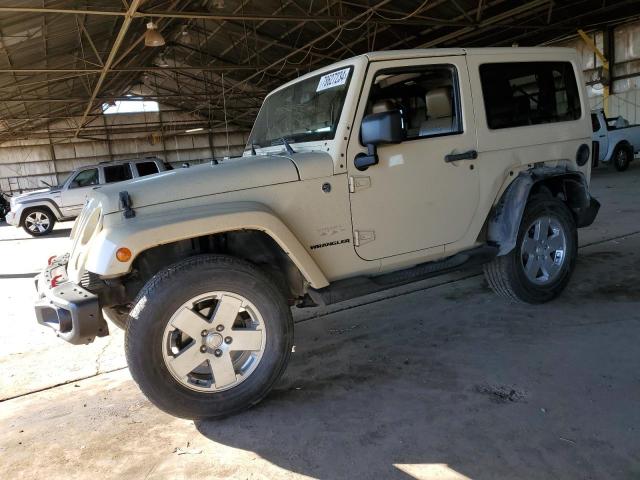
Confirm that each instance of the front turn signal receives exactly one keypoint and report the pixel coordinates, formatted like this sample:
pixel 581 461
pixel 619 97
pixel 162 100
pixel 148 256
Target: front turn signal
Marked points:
pixel 123 254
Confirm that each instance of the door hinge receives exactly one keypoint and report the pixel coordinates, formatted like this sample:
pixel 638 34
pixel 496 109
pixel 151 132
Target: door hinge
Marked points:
pixel 358 183
pixel 362 237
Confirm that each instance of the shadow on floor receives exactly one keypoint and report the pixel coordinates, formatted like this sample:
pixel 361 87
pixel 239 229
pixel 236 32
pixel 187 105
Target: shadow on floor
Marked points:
pixel 59 233
pixel 479 388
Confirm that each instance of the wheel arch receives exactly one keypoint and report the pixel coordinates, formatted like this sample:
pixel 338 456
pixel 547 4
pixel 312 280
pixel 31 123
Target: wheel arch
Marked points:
pixel 51 208
pixel 254 246
pixel 613 149
pixel 248 229
pixel 570 186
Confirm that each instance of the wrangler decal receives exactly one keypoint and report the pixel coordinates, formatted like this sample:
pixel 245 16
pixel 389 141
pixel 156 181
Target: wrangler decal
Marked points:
pixel 329 244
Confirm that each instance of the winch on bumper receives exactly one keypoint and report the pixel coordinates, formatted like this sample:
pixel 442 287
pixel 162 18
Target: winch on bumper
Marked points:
pixel 71 310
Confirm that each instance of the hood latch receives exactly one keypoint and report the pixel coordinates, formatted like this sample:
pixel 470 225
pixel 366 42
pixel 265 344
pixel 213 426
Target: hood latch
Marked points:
pixel 126 205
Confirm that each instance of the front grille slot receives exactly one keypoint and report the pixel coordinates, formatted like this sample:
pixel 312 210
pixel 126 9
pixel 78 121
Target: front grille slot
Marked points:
pixel 91 281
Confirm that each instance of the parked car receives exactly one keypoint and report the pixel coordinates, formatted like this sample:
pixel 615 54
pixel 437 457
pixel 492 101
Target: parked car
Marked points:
pixel 39 210
pixel 5 206
pixel 618 142
pixel 376 171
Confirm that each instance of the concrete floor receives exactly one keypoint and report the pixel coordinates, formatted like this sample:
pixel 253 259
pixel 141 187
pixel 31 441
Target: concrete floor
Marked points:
pixel 438 379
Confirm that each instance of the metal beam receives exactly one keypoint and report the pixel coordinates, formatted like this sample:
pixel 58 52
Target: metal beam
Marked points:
pixel 72 11
pixel 225 16
pixel 204 68
pixel 369 11
pixel 104 98
pixel 133 7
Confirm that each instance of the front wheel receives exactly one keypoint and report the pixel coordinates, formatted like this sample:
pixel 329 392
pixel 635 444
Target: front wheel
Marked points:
pixel 208 337
pixel 541 264
pixel 38 222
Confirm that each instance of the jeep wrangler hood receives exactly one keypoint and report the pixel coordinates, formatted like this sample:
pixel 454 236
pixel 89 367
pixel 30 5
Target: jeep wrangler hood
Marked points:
pixel 212 179
pixel 35 194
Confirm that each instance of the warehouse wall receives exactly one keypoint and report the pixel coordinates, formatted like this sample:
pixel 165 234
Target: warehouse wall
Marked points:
pixel 624 98
pixel 25 163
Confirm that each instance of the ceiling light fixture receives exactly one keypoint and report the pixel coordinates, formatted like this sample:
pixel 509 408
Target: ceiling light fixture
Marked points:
pixel 161 61
pixel 152 37
pixel 192 130
pixel 185 36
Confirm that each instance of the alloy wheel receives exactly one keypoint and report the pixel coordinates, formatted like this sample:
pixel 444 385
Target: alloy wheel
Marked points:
pixel 214 342
pixel 37 222
pixel 543 250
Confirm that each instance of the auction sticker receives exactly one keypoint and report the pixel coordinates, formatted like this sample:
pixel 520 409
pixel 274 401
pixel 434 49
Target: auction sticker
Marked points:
pixel 333 79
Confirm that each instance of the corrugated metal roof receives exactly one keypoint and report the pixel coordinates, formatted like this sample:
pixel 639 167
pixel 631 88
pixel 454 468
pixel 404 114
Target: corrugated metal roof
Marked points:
pixel 64 59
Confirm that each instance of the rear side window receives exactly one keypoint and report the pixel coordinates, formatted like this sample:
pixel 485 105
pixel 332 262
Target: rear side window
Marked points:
pixel 529 93
pixel 117 173
pixel 146 168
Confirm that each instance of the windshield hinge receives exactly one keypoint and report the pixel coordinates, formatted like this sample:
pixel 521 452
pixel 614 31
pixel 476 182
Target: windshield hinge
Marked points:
pixel 362 237
pixel 126 205
pixel 358 183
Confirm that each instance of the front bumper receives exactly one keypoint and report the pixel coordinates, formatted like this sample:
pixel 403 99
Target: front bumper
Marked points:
pixel 12 218
pixel 70 310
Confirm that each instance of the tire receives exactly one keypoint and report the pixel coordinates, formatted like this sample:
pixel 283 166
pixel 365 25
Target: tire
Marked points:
pixel 508 276
pixel 38 222
pixel 622 156
pixel 162 313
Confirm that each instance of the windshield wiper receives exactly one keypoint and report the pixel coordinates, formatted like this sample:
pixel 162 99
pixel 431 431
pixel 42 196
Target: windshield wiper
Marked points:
pixel 253 148
pixel 290 150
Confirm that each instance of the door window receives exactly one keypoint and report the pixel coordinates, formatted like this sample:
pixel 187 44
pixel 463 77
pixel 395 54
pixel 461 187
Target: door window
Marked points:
pixel 117 173
pixel 529 93
pixel 595 123
pixel 146 168
pixel 85 178
pixel 427 98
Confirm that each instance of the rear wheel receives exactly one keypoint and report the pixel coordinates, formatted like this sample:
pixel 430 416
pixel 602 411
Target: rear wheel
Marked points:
pixel 208 337
pixel 540 266
pixel 38 222
pixel 621 158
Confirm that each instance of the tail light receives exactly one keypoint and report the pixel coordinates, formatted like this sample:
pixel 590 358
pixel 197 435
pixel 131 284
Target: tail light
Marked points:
pixel 595 153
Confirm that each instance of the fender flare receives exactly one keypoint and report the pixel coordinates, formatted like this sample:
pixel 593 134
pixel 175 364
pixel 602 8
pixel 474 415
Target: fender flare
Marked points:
pixel 41 202
pixel 145 232
pixel 505 218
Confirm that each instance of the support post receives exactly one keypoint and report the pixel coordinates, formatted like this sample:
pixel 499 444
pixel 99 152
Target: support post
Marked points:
pixel 605 65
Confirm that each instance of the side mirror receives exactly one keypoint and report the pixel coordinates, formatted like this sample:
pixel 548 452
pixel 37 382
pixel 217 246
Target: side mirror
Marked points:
pixel 378 129
pixel 383 127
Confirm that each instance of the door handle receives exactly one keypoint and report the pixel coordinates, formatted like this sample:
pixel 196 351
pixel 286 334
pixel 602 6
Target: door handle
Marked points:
pixel 601 136
pixel 454 157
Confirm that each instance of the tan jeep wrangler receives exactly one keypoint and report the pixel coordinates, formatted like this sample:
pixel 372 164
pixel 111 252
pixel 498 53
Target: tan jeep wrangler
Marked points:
pixel 370 173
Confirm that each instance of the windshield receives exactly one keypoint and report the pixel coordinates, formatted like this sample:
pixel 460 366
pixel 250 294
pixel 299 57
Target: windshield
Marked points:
pixel 61 184
pixel 303 112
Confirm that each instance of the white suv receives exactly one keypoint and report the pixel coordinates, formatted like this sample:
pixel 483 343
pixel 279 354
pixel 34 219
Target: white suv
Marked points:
pixel 38 211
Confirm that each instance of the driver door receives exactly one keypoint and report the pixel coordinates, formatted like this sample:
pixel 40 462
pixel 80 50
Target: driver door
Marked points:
pixel 72 198
pixel 415 198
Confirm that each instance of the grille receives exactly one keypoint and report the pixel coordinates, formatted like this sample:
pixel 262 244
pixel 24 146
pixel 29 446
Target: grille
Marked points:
pixel 91 281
